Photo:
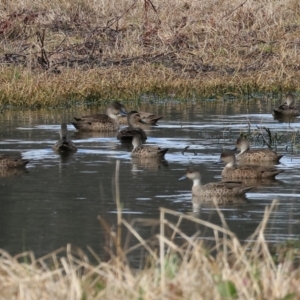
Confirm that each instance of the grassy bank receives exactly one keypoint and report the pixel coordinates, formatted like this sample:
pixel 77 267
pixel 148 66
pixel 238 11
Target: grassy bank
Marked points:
pixel 54 52
pixel 184 267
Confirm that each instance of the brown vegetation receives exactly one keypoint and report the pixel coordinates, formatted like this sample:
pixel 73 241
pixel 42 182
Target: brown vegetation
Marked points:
pixel 53 51
pixel 184 268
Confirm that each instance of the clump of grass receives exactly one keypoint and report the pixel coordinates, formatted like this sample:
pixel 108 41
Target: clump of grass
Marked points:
pixel 271 140
pixel 53 51
pixel 266 137
pixel 184 268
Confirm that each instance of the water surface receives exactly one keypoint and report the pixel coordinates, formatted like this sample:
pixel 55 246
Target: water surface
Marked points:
pixel 57 200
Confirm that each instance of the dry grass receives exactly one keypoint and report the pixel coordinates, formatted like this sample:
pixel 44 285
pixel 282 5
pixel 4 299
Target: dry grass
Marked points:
pixel 56 51
pixel 186 269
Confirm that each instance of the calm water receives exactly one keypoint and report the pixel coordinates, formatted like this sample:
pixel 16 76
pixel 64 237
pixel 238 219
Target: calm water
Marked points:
pixel 57 201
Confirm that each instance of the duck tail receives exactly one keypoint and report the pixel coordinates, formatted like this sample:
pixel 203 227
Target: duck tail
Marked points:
pixel 25 162
pixel 163 151
pixel 279 157
pixel 155 120
pixel 273 173
pixel 81 125
pixel 245 190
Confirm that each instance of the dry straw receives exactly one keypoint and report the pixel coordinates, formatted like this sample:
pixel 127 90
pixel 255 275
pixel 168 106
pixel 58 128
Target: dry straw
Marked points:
pixel 54 52
pixel 184 267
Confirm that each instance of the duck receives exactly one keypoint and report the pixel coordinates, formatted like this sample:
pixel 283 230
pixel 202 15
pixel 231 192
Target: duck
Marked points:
pixel 248 155
pixel 9 162
pixel 232 171
pixel 126 134
pixel 146 151
pixel 287 108
pixel 101 122
pixel 150 118
pixel 146 117
pixel 64 145
pixel 214 189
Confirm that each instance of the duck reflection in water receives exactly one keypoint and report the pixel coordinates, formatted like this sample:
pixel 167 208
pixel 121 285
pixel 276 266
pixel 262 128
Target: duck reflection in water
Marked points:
pixel 285 119
pixel 259 182
pixel 151 164
pixel 12 172
pixel 215 201
pixel 94 134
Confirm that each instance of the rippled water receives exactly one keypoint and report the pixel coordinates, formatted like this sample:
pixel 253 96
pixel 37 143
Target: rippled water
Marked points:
pixel 57 200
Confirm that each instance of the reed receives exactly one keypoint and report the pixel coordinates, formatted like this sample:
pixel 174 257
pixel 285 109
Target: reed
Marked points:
pixel 263 136
pixel 54 53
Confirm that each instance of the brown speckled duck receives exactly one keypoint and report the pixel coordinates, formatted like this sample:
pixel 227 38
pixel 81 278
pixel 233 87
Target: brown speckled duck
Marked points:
pixel 9 161
pixel 148 118
pixel 146 151
pixel 288 108
pixel 64 145
pixel 126 134
pixel 102 122
pixel 232 171
pixel 214 189
pixel 256 156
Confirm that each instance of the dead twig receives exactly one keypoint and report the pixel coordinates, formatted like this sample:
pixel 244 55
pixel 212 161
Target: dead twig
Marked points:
pixel 115 20
pixel 43 59
pixel 234 10
pixel 269 144
pixel 183 151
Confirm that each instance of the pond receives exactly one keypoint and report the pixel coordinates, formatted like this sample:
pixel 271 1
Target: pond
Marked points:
pixel 57 200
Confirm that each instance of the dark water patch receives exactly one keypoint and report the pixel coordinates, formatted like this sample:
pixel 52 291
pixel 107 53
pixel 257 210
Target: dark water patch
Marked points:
pixel 57 200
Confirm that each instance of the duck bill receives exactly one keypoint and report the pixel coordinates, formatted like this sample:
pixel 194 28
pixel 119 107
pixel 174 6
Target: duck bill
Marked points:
pixel 183 177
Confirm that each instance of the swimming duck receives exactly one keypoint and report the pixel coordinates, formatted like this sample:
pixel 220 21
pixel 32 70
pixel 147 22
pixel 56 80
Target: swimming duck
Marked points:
pixel 9 161
pixel 214 189
pixel 288 108
pixel 64 145
pixel 126 134
pixel 232 171
pixel 148 118
pixel 102 122
pixel 248 155
pixel 146 151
